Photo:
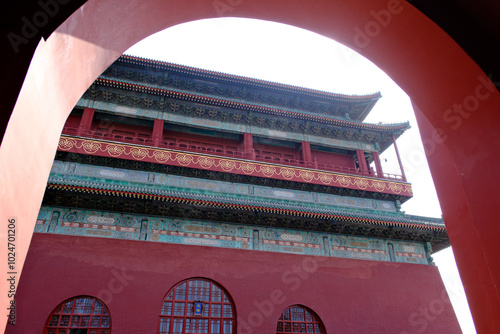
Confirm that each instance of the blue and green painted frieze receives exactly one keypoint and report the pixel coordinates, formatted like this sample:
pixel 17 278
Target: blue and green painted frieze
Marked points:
pixel 90 223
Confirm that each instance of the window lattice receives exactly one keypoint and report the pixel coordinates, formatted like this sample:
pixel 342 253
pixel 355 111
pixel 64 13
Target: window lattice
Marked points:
pixel 299 319
pixel 81 314
pixel 178 315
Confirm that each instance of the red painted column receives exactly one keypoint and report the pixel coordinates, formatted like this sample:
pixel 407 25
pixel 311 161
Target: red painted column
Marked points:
pixel 86 122
pixel 306 151
pixel 158 131
pixel 363 167
pixel 248 145
pixel 378 165
pixel 399 158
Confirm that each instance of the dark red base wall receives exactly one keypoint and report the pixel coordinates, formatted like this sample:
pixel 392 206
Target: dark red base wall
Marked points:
pixel 132 277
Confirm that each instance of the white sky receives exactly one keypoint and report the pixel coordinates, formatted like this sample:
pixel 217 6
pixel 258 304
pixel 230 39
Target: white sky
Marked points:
pixel 281 53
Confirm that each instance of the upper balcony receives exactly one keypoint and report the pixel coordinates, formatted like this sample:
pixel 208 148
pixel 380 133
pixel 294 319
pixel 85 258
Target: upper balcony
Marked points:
pixel 237 160
pixel 237 154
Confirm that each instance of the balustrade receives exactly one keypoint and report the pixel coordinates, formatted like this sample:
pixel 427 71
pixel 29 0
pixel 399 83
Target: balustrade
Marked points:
pixel 228 153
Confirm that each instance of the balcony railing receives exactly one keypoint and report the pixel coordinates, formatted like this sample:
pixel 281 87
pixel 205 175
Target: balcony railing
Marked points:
pixel 227 153
pixel 110 136
pixel 204 149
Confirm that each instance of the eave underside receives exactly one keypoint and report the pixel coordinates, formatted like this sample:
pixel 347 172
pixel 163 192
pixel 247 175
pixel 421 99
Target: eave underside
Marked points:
pixel 181 206
pixel 135 89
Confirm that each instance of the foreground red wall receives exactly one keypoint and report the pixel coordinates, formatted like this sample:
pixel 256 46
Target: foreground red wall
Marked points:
pixel 133 277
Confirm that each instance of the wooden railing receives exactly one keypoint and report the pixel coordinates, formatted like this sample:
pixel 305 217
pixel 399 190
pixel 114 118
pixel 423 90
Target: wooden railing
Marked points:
pixel 110 136
pixel 227 153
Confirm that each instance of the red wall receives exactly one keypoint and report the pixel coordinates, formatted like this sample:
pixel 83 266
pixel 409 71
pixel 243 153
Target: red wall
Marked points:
pixel 333 159
pixel 132 277
pixel 73 121
pixel 117 128
pixel 276 151
pixel 192 138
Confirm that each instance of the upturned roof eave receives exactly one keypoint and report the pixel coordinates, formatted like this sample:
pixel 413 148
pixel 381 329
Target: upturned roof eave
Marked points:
pixel 247 80
pixel 123 84
pixel 384 145
pixel 219 201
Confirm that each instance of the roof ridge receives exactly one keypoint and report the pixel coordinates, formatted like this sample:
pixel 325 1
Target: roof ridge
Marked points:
pixel 310 91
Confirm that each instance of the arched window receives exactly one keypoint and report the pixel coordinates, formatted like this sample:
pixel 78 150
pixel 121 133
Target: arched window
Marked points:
pixel 197 305
pixel 79 315
pixel 299 319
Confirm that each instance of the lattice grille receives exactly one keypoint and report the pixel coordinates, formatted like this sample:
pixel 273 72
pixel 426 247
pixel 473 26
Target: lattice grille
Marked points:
pixel 80 314
pixel 299 319
pixel 178 311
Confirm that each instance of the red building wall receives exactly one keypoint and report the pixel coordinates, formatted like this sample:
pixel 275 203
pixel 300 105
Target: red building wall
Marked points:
pixel 133 277
pixel 73 121
pixel 333 159
pixel 202 140
pixel 275 151
pixel 122 128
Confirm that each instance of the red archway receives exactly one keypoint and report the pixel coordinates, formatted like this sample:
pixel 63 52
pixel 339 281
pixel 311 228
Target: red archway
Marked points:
pixel 455 102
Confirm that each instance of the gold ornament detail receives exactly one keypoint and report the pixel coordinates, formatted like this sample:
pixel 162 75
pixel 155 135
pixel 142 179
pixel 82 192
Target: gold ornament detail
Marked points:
pixel 326 178
pixel 379 186
pixel 268 170
pixel 395 187
pixel 90 146
pixel 206 162
pixel 307 176
pixel 227 165
pixel 247 168
pixel 287 173
pixel 344 180
pixel 66 144
pixel 361 183
pixel 115 150
pixel 139 153
pixel 161 156
pixel 184 159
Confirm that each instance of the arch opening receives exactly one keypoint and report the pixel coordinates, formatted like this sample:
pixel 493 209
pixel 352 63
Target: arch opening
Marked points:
pixel 197 305
pixel 82 315
pixel 440 76
pixel 299 319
